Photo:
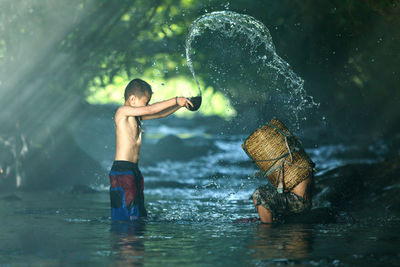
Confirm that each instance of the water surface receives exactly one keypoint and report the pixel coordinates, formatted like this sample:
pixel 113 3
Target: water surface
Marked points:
pixel 192 204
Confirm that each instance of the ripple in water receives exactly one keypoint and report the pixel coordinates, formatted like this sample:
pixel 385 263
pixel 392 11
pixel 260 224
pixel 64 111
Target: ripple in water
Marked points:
pixel 259 75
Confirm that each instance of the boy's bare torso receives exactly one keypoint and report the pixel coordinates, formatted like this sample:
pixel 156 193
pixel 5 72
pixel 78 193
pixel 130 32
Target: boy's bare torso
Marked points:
pixel 128 129
pixel 129 138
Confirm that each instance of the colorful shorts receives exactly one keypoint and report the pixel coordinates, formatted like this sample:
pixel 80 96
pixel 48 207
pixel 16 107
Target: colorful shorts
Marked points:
pixel 280 203
pixel 126 191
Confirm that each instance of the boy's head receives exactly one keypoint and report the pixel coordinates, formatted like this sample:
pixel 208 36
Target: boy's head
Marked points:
pixel 136 90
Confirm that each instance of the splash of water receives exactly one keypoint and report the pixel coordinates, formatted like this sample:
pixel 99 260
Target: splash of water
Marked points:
pixel 275 74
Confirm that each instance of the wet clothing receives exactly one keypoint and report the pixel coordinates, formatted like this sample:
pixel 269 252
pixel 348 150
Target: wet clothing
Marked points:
pixel 126 191
pixel 280 203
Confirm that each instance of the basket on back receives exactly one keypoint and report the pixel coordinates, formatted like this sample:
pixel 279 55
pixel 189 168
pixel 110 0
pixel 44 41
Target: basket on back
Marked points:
pixel 279 154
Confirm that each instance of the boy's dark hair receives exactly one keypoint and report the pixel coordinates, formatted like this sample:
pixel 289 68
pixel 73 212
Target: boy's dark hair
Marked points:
pixel 138 88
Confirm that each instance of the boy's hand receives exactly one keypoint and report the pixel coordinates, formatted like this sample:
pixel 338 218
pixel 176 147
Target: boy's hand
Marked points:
pixel 183 101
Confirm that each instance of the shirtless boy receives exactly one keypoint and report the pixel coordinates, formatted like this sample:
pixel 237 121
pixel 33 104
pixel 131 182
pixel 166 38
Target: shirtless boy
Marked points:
pixel 126 180
pixel 270 203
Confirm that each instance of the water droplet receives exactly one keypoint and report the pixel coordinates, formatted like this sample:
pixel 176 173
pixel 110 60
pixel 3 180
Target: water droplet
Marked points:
pixel 281 79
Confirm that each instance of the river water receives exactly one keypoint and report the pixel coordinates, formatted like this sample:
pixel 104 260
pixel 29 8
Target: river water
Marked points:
pixel 192 200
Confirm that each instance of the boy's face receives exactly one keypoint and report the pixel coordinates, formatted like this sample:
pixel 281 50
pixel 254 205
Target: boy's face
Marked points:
pixel 140 101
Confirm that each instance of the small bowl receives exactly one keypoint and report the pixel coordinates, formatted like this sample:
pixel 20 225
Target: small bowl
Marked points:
pixel 196 101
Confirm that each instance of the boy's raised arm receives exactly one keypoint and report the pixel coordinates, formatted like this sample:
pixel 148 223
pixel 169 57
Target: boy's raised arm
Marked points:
pixel 128 111
pixel 162 114
pixel 180 102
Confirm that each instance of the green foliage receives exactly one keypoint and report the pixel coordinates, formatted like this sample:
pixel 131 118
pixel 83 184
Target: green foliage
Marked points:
pixel 56 54
pixel 214 103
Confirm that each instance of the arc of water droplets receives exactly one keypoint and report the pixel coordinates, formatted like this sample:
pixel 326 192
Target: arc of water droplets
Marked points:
pixel 230 24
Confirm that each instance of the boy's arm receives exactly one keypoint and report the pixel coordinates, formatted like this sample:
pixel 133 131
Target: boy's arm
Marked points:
pixel 162 114
pixel 128 111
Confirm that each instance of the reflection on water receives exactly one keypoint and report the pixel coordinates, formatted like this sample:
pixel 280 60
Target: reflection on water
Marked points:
pixel 127 242
pixel 292 242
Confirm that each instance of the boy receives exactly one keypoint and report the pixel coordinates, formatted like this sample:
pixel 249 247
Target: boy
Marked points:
pixel 126 180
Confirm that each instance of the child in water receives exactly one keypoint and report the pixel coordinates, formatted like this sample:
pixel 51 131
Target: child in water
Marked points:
pixel 126 180
pixel 270 203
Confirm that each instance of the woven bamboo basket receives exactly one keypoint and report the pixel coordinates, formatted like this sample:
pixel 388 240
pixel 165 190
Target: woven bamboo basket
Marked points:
pixel 279 155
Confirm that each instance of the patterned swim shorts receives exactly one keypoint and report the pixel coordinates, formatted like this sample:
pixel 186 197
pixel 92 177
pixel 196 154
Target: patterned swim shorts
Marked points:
pixel 126 192
pixel 280 204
